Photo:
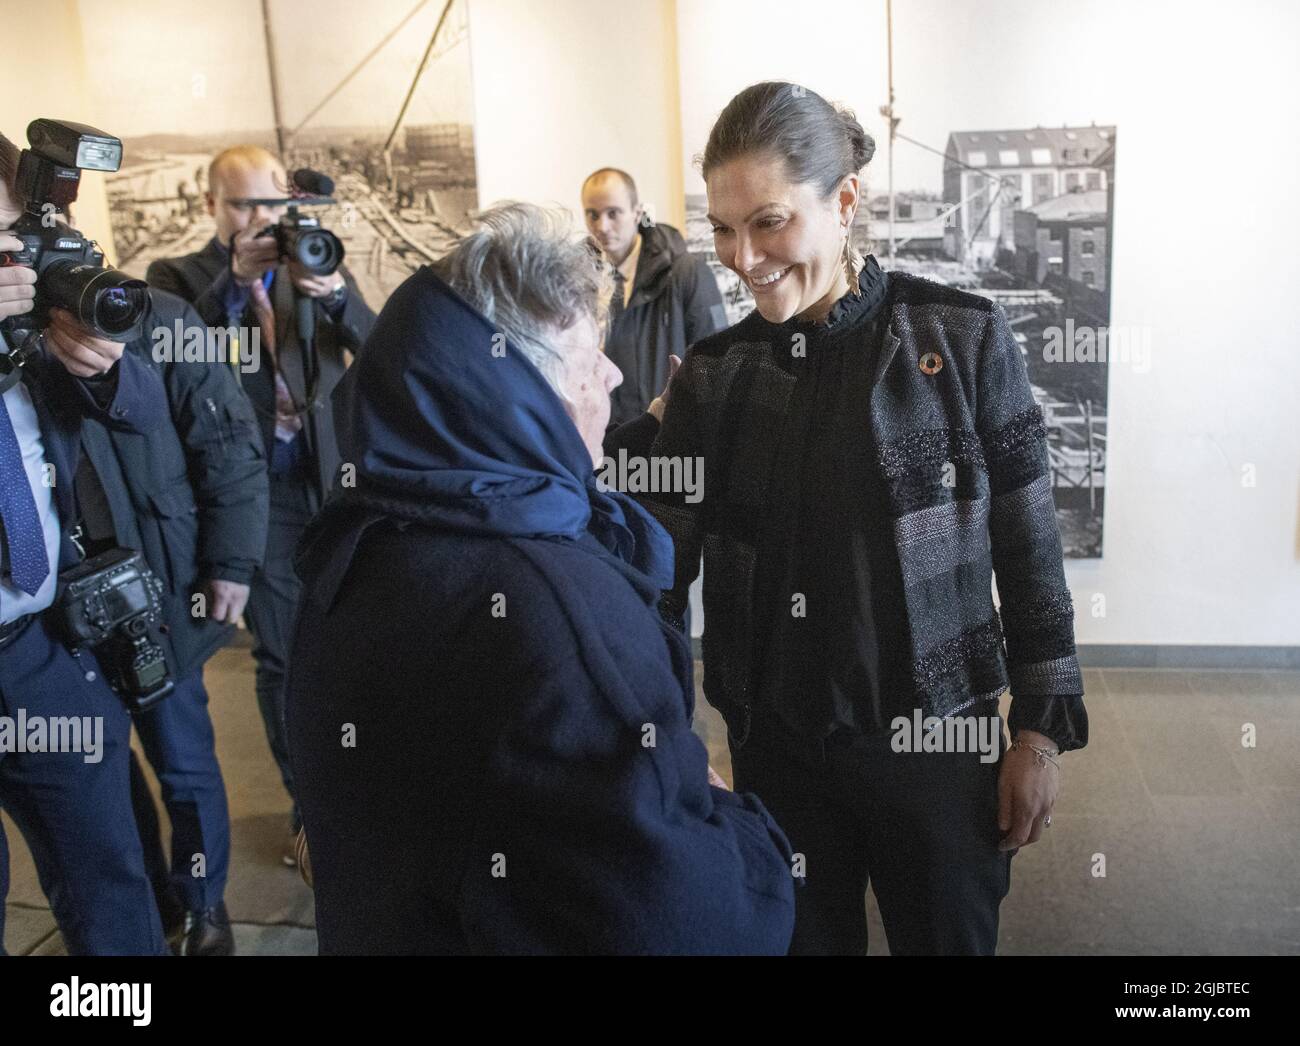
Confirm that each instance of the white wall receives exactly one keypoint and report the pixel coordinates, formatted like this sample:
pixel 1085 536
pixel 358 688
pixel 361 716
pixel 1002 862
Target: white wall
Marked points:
pixel 1203 107
pixel 1206 98
pixel 563 87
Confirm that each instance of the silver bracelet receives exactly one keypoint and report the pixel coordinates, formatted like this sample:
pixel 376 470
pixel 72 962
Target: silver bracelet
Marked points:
pixel 1045 755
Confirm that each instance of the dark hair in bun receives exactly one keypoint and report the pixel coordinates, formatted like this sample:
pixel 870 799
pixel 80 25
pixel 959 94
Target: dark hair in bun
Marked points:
pixel 817 142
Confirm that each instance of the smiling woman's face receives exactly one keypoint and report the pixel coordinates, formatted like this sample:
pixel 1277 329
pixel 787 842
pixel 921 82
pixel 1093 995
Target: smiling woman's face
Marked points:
pixel 781 238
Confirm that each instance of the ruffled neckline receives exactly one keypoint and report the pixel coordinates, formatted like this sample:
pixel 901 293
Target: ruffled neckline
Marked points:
pixel 851 310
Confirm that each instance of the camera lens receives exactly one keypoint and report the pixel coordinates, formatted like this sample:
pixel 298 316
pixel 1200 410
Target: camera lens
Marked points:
pixel 320 252
pixel 108 302
pixel 117 309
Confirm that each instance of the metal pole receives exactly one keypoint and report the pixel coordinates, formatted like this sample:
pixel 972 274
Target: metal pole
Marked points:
pixel 275 80
pixel 416 79
pixel 1092 486
pixel 889 32
pixel 359 66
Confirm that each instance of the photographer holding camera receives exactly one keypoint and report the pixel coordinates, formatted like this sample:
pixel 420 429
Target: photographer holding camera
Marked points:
pixel 250 276
pixel 192 498
pixel 73 807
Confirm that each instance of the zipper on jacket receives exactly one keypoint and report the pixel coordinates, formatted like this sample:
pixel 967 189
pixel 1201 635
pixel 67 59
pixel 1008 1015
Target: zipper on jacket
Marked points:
pixel 211 406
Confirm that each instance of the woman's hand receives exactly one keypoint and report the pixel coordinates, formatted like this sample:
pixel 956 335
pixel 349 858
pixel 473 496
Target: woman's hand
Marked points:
pixel 1026 791
pixel 658 404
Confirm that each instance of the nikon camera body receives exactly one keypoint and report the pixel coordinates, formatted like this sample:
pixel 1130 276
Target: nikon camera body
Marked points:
pixel 70 269
pixel 111 603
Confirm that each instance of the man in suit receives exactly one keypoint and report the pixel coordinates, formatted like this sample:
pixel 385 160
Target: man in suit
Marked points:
pixel 73 808
pixel 665 298
pixel 238 279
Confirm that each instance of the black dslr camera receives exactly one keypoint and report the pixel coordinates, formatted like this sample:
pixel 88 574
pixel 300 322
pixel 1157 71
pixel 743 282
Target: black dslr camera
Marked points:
pixel 111 603
pixel 300 237
pixel 70 270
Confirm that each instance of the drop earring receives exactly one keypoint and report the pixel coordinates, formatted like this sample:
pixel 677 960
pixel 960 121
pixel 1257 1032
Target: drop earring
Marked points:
pixel 852 262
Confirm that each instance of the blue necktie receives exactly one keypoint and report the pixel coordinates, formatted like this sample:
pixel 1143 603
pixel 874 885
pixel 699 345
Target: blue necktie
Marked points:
pixel 29 566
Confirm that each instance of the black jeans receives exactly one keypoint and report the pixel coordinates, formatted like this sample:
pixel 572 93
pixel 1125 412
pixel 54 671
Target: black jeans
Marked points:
pixel 271 613
pixel 920 827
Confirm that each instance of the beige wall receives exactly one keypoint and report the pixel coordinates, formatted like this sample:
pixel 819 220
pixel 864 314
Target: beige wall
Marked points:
pixel 562 88
pixel 55 89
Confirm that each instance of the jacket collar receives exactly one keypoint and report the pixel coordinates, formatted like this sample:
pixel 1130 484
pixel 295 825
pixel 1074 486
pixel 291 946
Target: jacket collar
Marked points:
pixel 890 341
pixel 652 266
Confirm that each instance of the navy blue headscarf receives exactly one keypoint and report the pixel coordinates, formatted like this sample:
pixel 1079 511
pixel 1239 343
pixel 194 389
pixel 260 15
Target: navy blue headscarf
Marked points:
pixel 449 424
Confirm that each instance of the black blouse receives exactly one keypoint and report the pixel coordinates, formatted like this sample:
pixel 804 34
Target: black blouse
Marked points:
pixel 832 646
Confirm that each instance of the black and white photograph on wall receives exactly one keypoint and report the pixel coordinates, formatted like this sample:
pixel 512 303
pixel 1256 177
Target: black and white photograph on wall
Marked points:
pixel 383 108
pixel 1023 217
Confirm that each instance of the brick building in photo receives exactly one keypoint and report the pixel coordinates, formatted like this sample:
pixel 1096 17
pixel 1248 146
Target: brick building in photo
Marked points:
pixel 994 174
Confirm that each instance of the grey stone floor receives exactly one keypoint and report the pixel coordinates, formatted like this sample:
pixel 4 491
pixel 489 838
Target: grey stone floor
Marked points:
pixel 1200 835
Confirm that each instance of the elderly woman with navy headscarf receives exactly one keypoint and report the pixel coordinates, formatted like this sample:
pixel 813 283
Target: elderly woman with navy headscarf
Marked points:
pixel 489 724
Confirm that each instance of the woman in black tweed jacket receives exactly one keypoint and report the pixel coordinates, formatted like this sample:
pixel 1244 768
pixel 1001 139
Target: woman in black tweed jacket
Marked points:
pixel 872 455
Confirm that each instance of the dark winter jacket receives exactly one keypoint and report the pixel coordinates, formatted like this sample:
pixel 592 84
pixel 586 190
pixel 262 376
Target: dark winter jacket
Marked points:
pixel 203 280
pixel 674 303
pixel 128 398
pixel 192 496
pixel 962 453
pixel 489 721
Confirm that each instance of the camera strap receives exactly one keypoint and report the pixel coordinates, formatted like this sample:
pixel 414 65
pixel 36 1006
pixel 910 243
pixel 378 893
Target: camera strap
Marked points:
pixel 13 360
pixel 95 526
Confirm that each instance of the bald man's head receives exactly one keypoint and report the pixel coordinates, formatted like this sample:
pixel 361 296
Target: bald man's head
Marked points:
pixel 613 176
pixel 238 174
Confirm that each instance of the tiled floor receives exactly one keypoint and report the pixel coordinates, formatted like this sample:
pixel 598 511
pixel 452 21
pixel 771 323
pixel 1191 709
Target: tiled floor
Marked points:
pixel 1199 834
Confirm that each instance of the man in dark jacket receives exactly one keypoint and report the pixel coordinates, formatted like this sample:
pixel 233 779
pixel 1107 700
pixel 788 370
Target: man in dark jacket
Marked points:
pixel 72 806
pixel 665 298
pixel 192 497
pixel 489 721
pixel 239 280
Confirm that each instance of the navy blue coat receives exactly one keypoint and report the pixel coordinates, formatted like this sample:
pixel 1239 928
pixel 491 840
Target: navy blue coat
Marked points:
pixel 193 495
pixel 489 722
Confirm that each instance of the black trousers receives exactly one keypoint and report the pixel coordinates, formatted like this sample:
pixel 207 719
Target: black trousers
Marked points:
pixel 271 614
pixel 920 828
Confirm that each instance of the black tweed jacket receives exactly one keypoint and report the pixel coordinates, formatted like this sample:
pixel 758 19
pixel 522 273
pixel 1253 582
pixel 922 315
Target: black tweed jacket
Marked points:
pixel 962 450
